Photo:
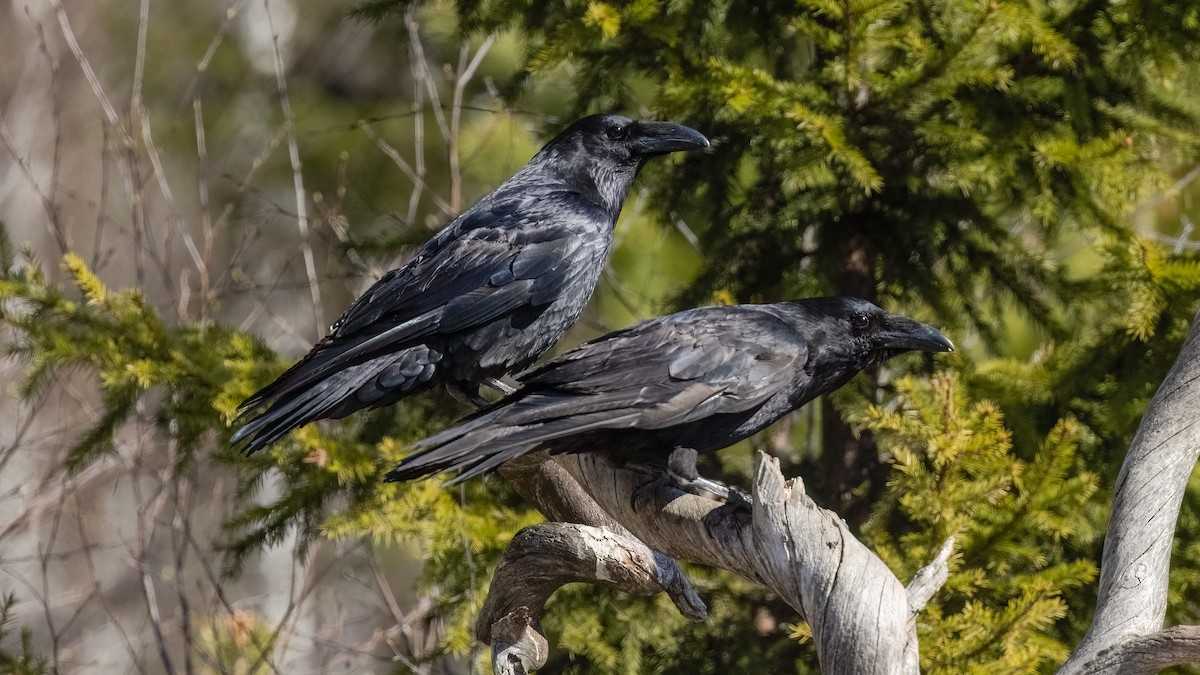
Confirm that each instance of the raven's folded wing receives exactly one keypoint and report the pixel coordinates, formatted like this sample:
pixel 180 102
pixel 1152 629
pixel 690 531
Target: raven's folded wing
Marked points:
pixel 503 255
pixel 671 370
pixel 658 374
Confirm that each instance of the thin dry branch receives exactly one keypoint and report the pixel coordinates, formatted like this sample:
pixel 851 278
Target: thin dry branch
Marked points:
pixel 466 70
pixel 1149 653
pixel 402 164
pixel 52 221
pixel 302 220
pixel 929 579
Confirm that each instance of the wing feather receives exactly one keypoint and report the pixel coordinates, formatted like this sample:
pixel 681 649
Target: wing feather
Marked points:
pixel 495 260
pixel 658 374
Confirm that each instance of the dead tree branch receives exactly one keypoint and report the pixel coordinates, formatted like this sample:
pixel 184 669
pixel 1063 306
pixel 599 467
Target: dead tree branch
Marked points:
pixel 543 557
pixel 859 611
pixel 1132 601
pixel 1149 653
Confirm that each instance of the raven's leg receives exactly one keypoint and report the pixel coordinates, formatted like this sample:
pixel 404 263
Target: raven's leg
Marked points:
pixel 466 396
pixel 681 467
pixel 682 473
pixel 499 386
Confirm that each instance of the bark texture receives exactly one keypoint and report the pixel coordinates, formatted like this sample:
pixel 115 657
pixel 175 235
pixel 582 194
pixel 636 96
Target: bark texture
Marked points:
pixel 1131 605
pixel 860 613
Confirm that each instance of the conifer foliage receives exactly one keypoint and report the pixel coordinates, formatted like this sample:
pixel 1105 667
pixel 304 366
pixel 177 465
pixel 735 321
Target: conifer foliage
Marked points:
pixel 951 156
pixel 955 473
pixel 972 162
pixel 25 661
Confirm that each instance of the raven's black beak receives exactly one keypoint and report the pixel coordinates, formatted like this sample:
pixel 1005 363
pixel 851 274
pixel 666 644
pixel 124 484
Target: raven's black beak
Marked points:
pixel 659 138
pixel 903 333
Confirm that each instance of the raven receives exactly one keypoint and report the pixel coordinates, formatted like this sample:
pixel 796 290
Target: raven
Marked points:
pixel 699 380
pixel 486 296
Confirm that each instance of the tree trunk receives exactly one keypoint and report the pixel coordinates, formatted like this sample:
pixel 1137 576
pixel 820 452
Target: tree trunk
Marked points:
pixel 850 460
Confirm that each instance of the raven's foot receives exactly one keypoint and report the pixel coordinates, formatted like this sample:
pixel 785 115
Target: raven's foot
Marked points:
pixel 499 386
pixel 681 467
pixel 651 485
pixel 682 474
pixel 466 396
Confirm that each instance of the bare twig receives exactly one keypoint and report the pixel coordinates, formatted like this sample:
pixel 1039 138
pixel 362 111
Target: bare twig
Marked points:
pixel 97 591
pixel 169 197
pixel 310 265
pixel 206 226
pixel 398 615
pixel 924 585
pixel 466 70
pixel 148 511
pixel 52 223
pixel 189 95
pixel 419 69
pixel 930 579
pixel 181 526
pixel 404 166
pixel 419 59
pixel 110 112
pixel 45 554
pixel 56 118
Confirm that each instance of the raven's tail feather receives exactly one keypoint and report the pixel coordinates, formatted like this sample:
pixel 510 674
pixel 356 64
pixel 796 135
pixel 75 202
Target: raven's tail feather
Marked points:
pixel 484 442
pixel 293 412
pixel 470 464
pixel 460 447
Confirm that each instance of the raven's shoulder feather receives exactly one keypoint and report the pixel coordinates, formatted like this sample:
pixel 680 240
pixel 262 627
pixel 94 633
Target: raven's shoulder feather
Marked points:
pixel 685 344
pixel 670 370
pixel 504 238
pixel 509 251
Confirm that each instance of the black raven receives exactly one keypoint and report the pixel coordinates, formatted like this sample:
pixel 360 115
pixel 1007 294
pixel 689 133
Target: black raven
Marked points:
pixel 486 296
pixel 699 380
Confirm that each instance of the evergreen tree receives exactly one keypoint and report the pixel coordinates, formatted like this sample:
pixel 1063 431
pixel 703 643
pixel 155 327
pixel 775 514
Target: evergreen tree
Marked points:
pixel 972 163
pixel 945 156
pixel 25 661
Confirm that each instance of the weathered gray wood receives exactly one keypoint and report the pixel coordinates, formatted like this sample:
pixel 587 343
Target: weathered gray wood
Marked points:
pixel 858 610
pixel 1148 653
pixel 543 557
pixel 862 617
pixel 517 647
pixel 924 585
pixel 1132 601
pixel 555 492
pixel 929 580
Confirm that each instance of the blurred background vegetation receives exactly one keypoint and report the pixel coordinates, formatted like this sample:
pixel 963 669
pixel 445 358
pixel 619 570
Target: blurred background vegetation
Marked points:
pixel 192 191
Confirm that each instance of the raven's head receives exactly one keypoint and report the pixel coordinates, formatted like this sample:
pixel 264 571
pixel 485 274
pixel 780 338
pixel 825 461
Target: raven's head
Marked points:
pixel 621 141
pixel 608 150
pixel 857 334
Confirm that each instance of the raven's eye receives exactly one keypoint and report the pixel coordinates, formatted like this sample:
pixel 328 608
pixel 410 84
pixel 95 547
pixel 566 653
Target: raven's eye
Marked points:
pixel 860 321
pixel 617 132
